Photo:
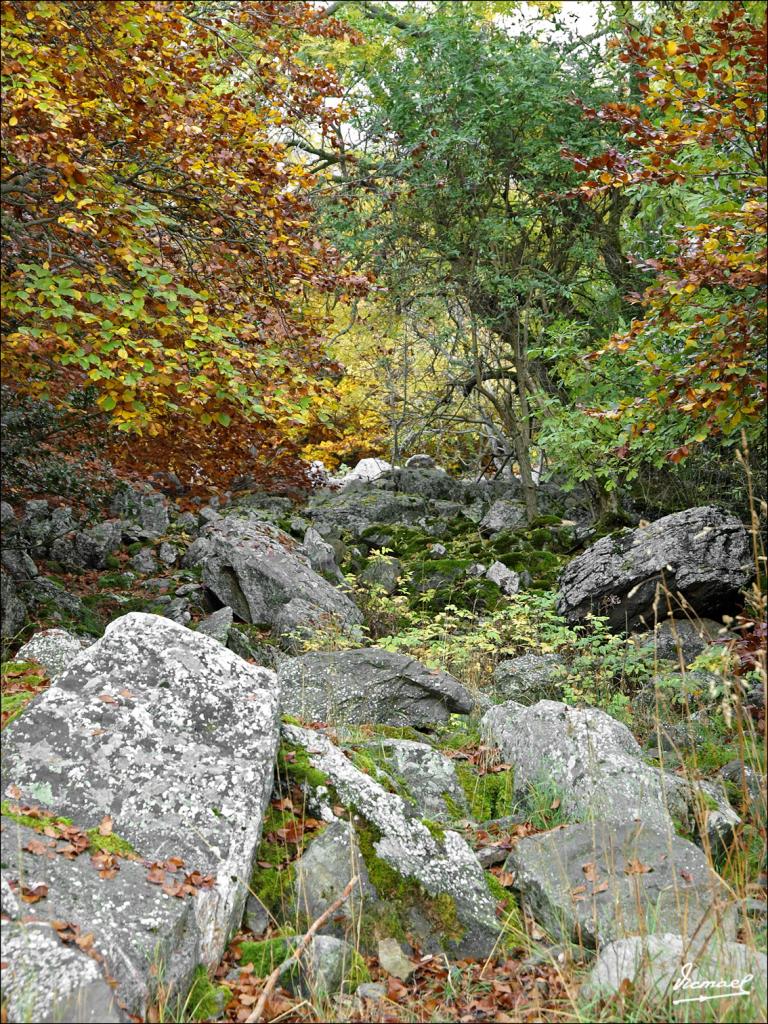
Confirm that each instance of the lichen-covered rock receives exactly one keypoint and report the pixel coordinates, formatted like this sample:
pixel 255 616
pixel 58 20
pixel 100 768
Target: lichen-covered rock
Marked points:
pixel 659 968
pixel 420 461
pixel 507 580
pixel 47 981
pixel 701 555
pixel 502 515
pixel 144 561
pixel 173 737
pixel 529 678
pixel 369 685
pixel 594 761
pixel 428 777
pixel 592 883
pixel 367 470
pixel 54 649
pixel 261 573
pixel 439 872
pixel 89 549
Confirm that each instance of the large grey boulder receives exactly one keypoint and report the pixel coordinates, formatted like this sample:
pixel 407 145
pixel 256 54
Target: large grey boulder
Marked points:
pixel 54 649
pixel 594 761
pixel 701 556
pixel 261 573
pixel 173 738
pixel 592 883
pixel 366 471
pixel 529 678
pixel 369 685
pixel 668 967
pixel 444 871
pixel 47 981
pixel 502 515
pixel 433 484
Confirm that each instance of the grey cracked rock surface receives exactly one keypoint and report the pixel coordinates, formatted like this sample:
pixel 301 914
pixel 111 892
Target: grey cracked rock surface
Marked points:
pixel 592 883
pixel 442 867
pixel 54 649
pixel 174 737
pixel 594 761
pixel 217 625
pixel 382 571
pixel 261 573
pixel 44 980
pixel 14 611
pixel 701 554
pixel 369 685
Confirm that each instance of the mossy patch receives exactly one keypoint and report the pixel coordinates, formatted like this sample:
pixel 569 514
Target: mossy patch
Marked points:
pixel 293 762
pixel 45 820
pixel 110 844
pixel 205 999
pixel 399 895
pixel 489 796
pixel 268 954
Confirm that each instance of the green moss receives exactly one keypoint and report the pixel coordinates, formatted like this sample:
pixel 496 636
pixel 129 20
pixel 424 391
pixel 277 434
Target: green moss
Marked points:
pixel 110 844
pixel 266 955
pixel 513 931
pixel 456 811
pixel 135 548
pixel 112 562
pixel 293 762
pixel 274 887
pixel 489 796
pixel 399 895
pixel 205 999
pixel 436 830
pixel 38 824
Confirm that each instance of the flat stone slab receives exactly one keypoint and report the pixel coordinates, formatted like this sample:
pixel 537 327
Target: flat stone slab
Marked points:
pixel 173 737
pixel 593 883
pixel 369 686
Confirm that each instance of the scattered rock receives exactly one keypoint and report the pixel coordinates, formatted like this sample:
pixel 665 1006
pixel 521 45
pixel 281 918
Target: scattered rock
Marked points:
pixel 321 969
pixel 217 625
pixel 369 685
pixel 701 555
pixel 502 515
pixel 507 580
pixel 437 551
pixel 596 882
pixel 167 553
pixel 145 505
pixel 255 916
pixel 54 649
pixel 382 571
pixel 173 738
pixel 393 959
pixel 529 678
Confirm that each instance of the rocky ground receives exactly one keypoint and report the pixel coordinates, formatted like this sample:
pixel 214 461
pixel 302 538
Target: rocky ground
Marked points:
pixel 522 762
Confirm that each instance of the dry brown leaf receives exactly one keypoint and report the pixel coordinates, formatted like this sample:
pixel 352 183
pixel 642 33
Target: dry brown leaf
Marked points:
pixel 105 826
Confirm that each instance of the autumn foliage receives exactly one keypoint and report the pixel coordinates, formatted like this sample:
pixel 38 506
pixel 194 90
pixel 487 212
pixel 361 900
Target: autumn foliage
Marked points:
pixel 161 267
pixel 698 130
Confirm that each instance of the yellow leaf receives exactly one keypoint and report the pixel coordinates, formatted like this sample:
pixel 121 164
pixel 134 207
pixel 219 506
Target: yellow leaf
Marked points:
pixel 671 48
pixel 13 121
pixel 128 85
